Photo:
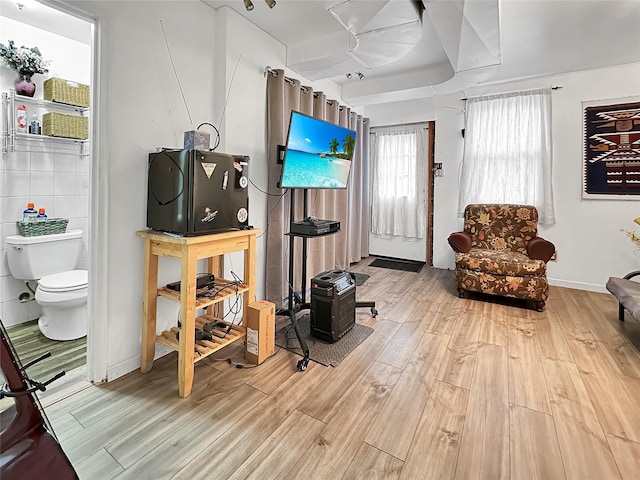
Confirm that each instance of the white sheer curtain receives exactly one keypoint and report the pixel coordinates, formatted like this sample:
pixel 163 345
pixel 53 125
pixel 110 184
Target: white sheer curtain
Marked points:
pixel 507 152
pixel 399 181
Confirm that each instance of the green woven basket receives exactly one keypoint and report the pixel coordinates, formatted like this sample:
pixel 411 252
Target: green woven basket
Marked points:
pixel 48 227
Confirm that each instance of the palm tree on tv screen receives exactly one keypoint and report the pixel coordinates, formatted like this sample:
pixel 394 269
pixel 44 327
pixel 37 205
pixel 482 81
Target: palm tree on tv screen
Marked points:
pixel 333 146
pixel 348 144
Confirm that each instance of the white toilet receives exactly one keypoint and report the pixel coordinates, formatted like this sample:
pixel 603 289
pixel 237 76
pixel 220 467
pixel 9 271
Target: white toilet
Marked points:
pixel 62 291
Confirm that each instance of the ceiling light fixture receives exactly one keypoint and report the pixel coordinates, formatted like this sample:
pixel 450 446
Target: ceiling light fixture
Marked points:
pixel 271 3
pixel 248 5
pixel 348 75
pixel 22 4
pixel 360 75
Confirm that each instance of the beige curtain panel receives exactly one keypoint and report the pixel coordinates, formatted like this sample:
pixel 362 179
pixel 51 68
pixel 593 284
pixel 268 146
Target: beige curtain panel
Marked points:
pixel 350 207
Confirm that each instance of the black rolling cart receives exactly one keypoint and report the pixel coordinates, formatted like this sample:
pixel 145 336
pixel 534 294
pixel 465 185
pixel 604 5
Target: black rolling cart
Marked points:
pixel 297 303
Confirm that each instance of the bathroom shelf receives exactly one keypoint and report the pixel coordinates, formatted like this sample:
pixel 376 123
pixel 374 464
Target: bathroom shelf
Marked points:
pixel 48 104
pixel 48 138
pixel 204 348
pixel 11 139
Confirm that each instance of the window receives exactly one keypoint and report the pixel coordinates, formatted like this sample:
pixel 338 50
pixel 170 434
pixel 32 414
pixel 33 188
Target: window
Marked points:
pixel 507 152
pixel 399 181
pixel 396 171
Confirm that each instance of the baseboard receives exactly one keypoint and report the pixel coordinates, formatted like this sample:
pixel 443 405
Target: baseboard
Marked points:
pixel 577 285
pixel 397 259
pixel 131 364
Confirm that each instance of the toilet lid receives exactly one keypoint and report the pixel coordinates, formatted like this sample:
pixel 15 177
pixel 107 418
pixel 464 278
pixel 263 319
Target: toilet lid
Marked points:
pixel 65 281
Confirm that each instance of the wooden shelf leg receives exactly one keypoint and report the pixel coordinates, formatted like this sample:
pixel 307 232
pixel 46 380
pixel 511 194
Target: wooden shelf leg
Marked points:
pixel 149 306
pixel 187 319
pixel 215 265
pixel 249 274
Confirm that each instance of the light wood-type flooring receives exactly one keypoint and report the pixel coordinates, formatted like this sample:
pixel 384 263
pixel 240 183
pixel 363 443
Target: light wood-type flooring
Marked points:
pixel 30 343
pixel 445 388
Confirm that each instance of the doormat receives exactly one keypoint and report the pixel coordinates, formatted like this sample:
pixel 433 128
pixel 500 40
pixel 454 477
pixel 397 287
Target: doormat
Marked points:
pixel 324 353
pixel 397 264
pixel 359 278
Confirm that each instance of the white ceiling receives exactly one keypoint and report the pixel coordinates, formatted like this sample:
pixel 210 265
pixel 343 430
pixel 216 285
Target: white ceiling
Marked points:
pixel 464 43
pixel 532 37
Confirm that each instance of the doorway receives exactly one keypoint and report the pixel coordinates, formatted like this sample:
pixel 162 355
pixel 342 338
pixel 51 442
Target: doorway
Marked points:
pixel 404 223
pixel 53 173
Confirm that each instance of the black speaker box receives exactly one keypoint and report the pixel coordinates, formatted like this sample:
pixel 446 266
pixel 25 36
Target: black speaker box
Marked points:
pixel 333 305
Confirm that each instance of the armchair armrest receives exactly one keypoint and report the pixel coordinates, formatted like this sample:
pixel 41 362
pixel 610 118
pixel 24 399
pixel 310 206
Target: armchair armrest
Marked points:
pixel 460 242
pixel 540 249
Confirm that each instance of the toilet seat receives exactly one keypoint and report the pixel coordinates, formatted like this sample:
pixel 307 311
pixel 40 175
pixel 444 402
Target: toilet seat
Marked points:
pixel 64 281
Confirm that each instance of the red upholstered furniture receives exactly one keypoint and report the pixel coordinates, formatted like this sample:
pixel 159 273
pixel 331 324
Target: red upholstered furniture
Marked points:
pixel 499 253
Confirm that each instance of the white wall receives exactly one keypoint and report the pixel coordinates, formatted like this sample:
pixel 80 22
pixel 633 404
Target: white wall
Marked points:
pixel 587 234
pixel 244 126
pixel 141 108
pixel 51 174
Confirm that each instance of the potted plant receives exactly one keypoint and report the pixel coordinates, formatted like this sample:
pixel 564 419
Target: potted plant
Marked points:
pixel 26 62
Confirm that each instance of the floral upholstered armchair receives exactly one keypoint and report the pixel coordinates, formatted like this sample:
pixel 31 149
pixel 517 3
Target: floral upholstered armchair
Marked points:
pixel 499 253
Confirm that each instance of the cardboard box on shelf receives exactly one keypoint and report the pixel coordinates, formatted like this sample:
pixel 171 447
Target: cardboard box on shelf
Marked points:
pixel 261 331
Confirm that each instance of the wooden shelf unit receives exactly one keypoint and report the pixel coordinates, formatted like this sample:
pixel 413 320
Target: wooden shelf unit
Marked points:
pixel 204 348
pixel 189 250
pixel 202 301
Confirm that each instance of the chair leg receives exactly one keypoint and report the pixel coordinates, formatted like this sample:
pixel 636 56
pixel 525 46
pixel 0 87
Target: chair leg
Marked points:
pixel 539 305
pixel 461 292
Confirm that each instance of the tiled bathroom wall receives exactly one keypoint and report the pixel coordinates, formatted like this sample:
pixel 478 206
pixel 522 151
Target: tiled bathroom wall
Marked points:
pixel 52 174
pixel 55 177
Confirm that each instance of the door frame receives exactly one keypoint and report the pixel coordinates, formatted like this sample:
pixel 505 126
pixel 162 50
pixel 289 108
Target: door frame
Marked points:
pixel 431 125
pixel 97 304
pixel 427 243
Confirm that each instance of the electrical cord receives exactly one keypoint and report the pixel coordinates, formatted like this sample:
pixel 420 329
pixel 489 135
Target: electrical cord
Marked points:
pixel 217 133
pixel 271 211
pixel 235 308
pixel 212 293
pixel 242 365
pixel 267 193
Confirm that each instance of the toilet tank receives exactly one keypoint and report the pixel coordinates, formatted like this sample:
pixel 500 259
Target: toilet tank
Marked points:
pixel 31 258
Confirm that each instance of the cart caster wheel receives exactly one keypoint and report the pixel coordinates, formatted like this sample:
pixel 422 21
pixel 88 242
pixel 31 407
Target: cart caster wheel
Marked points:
pixel 374 312
pixel 302 364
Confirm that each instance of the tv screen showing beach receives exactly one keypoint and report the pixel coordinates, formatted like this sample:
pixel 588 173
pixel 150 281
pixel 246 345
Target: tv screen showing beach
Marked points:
pixel 318 154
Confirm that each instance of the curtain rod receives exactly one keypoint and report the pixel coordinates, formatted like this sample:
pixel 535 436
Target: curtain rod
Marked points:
pixel 411 124
pixel 555 87
pixel 270 71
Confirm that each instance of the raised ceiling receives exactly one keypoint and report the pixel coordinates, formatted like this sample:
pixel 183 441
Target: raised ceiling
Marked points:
pixel 456 44
pixel 462 43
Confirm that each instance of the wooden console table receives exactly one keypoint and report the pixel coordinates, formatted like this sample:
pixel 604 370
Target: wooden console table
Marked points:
pixel 189 250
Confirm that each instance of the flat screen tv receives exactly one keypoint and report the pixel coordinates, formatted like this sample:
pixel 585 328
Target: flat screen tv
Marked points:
pixel 318 154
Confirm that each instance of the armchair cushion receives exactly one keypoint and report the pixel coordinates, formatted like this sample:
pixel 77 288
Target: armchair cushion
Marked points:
pixel 501 226
pixel 501 263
